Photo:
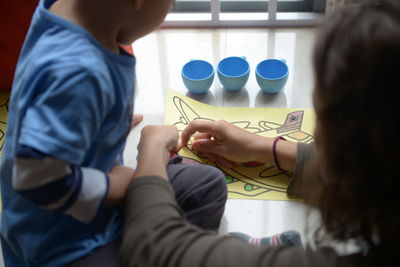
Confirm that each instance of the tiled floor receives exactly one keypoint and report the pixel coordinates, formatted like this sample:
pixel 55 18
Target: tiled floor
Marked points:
pixel 160 57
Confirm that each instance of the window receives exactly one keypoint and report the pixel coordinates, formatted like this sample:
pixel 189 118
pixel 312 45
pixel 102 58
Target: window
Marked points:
pixel 245 13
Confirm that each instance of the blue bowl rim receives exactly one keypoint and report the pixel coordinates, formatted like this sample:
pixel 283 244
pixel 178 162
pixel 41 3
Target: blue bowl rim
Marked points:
pixel 272 79
pixel 233 76
pixel 208 77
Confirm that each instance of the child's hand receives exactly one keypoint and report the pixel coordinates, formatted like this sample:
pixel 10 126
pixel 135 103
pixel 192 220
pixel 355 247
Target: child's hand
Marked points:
pixel 225 143
pixel 136 119
pixel 163 137
pixel 156 143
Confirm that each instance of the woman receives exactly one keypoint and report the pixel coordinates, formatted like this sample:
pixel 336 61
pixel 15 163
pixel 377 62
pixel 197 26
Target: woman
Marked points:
pixel 353 179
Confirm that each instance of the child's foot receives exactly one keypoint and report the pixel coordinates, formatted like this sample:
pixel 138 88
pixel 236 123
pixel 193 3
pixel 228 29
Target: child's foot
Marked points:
pixel 288 238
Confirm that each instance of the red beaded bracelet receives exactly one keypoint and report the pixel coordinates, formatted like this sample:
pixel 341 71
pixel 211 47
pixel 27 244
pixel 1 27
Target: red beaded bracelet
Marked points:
pixel 274 152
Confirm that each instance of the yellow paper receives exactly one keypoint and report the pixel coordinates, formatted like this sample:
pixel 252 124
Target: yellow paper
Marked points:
pixel 247 181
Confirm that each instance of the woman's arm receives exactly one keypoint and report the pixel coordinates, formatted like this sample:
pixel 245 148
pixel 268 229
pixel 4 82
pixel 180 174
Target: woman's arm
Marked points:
pixel 228 144
pixel 156 234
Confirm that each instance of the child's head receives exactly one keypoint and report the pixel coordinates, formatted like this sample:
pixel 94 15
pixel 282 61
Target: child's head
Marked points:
pixel 142 17
pixel 357 92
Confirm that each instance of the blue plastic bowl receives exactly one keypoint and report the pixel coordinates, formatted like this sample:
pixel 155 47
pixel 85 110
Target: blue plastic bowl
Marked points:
pixel 233 73
pixel 198 75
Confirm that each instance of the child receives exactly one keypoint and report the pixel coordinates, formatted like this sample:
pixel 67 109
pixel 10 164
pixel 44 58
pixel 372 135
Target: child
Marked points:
pixel 62 177
pixel 355 179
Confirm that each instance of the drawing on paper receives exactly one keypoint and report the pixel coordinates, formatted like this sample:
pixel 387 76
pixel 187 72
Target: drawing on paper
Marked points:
pixel 249 180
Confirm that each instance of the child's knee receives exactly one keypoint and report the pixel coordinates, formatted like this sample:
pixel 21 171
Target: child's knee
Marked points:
pixel 215 173
pixel 198 182
pixel 216 180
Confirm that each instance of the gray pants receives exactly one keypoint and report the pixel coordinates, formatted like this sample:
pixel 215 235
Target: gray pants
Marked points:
pixel 200 191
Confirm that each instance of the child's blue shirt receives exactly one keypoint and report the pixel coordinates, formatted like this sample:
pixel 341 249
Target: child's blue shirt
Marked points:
pixel 70 114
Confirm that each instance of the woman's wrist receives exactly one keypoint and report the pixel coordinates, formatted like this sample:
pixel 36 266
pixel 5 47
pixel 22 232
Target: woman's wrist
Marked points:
pixel 262 148
pixel 284 156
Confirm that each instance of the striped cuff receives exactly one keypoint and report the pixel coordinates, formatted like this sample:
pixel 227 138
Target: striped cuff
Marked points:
pixel 93 190
pixel 56 185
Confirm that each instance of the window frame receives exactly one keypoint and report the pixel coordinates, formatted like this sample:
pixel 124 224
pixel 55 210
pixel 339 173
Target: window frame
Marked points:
pixel 291 14
pixel 188 6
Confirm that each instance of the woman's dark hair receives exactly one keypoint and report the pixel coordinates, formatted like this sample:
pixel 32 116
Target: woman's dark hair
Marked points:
pixel 357 102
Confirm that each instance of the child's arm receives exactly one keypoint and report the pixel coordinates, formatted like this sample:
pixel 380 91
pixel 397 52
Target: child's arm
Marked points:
pixel 59 132
pixel 57 185
pixel 119 179
pixel 120 176
pixel 225 143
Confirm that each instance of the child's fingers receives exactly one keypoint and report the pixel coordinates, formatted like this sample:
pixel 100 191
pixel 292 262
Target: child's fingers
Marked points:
pixel 136 119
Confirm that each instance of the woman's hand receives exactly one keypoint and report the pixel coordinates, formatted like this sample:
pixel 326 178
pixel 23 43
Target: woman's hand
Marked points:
pixel 228 144
pixel 156 143
pixel 225 143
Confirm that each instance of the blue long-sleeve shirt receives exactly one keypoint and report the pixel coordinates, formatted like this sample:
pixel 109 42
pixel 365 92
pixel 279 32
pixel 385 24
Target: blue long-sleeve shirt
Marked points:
pixel 70 113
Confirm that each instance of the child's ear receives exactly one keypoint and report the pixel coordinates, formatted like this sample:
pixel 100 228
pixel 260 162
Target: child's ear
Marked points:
pixel 137 4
